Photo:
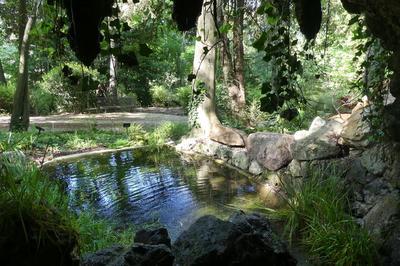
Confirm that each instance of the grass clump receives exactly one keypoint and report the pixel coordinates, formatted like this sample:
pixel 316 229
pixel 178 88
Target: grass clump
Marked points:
pixel 97 233
pixel 165 132
pixel 316 214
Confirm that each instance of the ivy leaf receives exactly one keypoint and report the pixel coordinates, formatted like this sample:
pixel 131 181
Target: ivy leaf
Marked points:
pixel 353 20
pixel 225 28
pixel 191 77
pixel 145 50
pixel 260 42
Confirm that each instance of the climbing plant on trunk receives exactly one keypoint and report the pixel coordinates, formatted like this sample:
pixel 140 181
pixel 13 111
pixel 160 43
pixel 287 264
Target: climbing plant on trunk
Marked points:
pixel 204 69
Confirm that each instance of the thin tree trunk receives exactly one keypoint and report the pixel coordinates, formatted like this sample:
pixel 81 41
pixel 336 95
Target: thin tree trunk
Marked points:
pixel 112 85
pixel 204 67
pixel 22 20
pixel 239 53
pixel 3 80
pixel 20 114
pixel 233 63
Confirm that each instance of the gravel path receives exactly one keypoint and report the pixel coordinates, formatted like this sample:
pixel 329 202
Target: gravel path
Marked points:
pixel 111 121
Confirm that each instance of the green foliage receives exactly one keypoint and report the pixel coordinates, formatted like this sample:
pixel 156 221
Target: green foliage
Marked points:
pixel 97 233
pixel 183 96
pixel 373 75
pixel 72 85
pixel 317 213
pixel 167 131
pixel 6 97
pixel 162 96
pixel 43 102
pixel 137 134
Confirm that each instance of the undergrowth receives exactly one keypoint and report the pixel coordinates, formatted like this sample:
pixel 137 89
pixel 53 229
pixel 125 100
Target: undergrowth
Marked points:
pixel 136 135
pixel 317 216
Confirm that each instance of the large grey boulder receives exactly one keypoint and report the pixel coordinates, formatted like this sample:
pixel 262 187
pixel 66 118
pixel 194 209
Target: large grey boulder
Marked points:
pixel 319 142
pixel 356 130
pixel 383 160
pixel 380 217
pixel 271 150
pixel 244 240
pixel 240 158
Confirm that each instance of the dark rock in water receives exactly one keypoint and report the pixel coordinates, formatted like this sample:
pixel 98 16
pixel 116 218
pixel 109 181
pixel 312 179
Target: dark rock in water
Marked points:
pixel 244 240
pixel 256 224
pixel 141 254
pixel 109 256
pixel 153 237
pixel 155 252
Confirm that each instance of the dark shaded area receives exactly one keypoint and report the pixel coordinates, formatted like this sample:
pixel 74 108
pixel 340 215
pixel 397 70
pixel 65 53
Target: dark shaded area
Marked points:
pixel 383 20
pixel 309 17
pixel 47 241
pixel 85 17
pixel 186 12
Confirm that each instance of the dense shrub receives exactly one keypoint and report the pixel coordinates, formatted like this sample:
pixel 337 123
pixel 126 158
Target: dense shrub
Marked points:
pixel 43 102
pixel 162 96
pixel 6 97
pixel 73 86
pixel 183 96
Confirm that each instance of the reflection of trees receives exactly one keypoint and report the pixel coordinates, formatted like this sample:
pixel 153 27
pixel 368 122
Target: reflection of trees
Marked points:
pixel 134 184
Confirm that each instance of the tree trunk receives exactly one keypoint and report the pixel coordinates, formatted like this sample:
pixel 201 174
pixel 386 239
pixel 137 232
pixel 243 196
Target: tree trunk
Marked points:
pixel 3 80
pixel 112 83
pixel 239 54
pixel 20 114
pixel 22 20
pixel 204 67
pixel 233 63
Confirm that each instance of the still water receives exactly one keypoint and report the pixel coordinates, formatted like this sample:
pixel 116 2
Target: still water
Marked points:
pixel 143 187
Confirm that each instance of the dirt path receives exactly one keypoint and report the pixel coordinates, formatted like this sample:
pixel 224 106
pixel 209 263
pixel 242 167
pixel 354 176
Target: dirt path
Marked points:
pixel 110 121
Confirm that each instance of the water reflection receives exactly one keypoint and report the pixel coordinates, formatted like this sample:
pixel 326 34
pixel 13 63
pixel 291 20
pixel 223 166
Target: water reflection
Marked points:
pixel 140 186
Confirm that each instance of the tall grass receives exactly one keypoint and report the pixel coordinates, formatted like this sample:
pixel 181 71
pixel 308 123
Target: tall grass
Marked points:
pixel 317 216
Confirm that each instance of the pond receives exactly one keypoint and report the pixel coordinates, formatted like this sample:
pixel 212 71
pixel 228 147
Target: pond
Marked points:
pixel 144 186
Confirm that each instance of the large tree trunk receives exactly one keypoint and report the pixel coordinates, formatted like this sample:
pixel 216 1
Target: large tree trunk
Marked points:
pixel 20 114
pixel 3 80
pixel 204 67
